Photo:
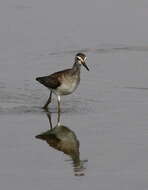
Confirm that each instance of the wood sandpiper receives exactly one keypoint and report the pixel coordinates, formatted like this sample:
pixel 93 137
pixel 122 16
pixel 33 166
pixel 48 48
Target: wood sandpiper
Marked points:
pixel 64 82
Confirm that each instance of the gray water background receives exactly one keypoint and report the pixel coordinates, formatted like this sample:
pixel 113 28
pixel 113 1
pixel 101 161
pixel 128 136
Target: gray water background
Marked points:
pixel 109 110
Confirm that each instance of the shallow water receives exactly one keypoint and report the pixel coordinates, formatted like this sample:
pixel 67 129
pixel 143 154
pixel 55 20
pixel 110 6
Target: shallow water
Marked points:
pixel 108 112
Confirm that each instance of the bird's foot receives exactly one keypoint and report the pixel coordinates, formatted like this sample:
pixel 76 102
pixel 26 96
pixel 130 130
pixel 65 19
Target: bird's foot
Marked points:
pixel 45 108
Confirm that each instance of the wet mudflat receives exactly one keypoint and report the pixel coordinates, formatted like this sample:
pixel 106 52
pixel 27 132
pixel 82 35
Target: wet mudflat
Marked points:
pixel 104 123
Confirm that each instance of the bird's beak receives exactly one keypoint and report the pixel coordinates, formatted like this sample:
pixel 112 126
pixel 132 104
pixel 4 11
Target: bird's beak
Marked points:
pixel 84 64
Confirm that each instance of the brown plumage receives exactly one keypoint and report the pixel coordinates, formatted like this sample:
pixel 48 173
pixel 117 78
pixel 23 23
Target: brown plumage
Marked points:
pixel 64 82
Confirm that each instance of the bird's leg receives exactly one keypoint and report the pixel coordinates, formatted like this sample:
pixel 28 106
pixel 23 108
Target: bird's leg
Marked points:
pixel 58 119
pixel 48 101
pixel 49 118
pixel 59 99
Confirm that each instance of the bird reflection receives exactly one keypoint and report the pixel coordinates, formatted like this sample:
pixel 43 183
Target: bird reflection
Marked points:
pixel 64 139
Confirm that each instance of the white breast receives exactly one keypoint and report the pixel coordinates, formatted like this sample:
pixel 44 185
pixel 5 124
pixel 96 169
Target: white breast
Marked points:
pixel 67 88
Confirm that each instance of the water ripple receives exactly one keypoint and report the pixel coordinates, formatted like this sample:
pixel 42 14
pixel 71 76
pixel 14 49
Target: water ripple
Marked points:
pixel 31 101
pixel 106 49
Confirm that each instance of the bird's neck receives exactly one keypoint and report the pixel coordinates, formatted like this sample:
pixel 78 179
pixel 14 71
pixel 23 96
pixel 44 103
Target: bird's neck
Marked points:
pixel 76 68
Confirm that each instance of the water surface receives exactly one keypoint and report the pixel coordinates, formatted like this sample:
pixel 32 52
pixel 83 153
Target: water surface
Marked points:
pixel 107 114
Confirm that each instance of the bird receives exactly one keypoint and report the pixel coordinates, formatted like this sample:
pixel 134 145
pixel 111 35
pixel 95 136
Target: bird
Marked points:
pixel 64 82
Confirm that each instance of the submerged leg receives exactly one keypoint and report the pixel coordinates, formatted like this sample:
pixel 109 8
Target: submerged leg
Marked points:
pixel 48 101
pixel 59 99
pixel 49 118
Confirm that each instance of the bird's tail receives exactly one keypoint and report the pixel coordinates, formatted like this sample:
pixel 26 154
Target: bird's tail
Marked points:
pixel 41 79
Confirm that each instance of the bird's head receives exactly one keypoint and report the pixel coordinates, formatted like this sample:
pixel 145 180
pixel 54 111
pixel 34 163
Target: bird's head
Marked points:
pixel 81 59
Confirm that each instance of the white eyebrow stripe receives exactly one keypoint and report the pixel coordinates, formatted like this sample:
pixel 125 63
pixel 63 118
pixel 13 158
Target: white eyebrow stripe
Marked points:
pixel 80 58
